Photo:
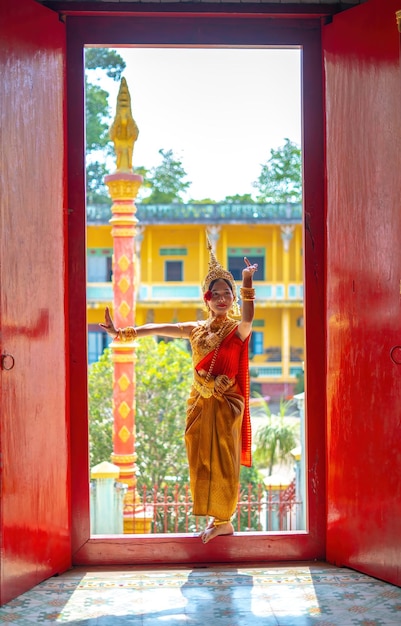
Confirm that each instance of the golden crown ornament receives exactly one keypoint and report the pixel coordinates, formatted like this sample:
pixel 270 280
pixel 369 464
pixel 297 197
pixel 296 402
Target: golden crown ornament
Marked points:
pixel 217 271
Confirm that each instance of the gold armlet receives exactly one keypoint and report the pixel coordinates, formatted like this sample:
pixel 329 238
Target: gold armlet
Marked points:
pixel 247 293
pixel 127 334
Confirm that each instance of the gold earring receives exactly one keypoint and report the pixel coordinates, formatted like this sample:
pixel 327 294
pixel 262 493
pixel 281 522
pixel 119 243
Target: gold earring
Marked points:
pixel 235 310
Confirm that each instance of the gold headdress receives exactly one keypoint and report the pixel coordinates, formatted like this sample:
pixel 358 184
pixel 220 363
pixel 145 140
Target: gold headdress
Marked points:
pixel 216 271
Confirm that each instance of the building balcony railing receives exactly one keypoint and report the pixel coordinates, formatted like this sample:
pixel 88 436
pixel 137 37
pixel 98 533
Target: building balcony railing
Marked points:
pixel 265 372
pixel 191 293
pixel 218 213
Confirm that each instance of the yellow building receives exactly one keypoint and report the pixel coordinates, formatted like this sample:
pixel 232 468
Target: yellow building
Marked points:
pixel 171 262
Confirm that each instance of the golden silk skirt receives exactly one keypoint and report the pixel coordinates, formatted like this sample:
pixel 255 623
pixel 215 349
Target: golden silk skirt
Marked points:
pixel 213 443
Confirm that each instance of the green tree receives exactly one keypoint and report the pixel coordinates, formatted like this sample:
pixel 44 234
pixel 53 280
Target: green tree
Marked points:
pixel 146 184
pixel 280 179
pixel 164 376
pixel 300 384
pixel 163 379
pixel 276 439
pixel 245 198
pixel 202 201
pixel 96 190
pixel 167 180
pixel 99 62
pixel 100 395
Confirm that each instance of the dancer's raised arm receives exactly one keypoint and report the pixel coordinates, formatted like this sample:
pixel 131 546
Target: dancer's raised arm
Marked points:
pixel 247 294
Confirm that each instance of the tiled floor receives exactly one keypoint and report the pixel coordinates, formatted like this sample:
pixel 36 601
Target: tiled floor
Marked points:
pixel 265 595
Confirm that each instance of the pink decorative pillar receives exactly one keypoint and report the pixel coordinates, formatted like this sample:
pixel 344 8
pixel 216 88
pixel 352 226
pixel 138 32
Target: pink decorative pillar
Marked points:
pixel 123 187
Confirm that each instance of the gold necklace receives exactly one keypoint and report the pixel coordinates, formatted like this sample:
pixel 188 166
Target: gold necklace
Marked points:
pixel 214 329
pixel 216 325
pixel 205 341
pixel 208 335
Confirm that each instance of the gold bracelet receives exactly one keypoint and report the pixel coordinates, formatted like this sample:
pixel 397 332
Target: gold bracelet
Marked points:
pixel 248 299
pixel 127 334
pixel 247 293
pixel 130 333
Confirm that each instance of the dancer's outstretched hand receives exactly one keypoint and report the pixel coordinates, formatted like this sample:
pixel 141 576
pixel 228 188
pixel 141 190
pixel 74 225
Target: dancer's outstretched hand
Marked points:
pixel 108 325
pixel 250 268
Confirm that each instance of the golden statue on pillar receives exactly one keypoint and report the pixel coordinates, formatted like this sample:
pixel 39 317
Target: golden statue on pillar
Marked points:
pixel 124 131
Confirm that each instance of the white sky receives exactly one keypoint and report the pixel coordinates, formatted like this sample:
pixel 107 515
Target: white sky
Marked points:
pixel 221 111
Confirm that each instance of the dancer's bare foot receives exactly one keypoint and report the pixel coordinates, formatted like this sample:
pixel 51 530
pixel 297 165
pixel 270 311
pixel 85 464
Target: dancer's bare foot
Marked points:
pixel 208 527
pixel 212 531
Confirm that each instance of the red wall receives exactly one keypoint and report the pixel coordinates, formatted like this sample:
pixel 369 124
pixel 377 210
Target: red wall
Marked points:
pixel 363 103
pixel 363 271
pixel 35 510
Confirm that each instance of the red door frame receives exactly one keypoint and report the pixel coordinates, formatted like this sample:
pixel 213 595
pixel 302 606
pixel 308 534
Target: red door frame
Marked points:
pixel 201 30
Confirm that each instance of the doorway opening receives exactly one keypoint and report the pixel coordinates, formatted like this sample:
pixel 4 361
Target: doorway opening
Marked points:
pixel 220 152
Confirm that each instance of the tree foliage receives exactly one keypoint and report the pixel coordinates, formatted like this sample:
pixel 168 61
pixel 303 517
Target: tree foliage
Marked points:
pixel 100 396
pixel 202 201
pixel 96 190
pixel 97 113
pixel 99 62
pixel 276 439
pixel 300 384
pixel 105 59
pixel 166 180
pixel 164 376
pixel 245 198
pixel 163 379
pixel 280 179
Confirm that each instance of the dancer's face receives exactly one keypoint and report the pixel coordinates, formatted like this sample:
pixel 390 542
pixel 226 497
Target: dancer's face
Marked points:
pixel 222 298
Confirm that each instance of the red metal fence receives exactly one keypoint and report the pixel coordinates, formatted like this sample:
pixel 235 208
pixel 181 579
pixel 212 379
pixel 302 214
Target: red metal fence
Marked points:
pixel 169 509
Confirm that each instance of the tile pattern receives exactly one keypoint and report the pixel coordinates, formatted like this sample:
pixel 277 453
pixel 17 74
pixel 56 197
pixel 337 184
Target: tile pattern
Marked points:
pixel 277 595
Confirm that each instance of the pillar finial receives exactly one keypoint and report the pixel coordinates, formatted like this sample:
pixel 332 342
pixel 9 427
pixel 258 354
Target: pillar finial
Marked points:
pixel 124 131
